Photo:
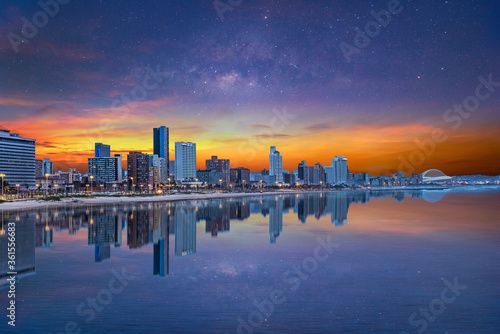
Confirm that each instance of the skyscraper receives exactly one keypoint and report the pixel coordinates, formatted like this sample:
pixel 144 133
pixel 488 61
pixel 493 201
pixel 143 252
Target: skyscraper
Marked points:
pixel 47 167
pixel 185 161
pixel 302 172
pixel 340 170
pixel 276 165
pixel 102 150
pixel 161 146
pixel 158 166
pixel 38 168
pixel 138 168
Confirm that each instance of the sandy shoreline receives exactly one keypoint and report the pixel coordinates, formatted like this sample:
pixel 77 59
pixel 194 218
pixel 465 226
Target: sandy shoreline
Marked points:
pixel 33 204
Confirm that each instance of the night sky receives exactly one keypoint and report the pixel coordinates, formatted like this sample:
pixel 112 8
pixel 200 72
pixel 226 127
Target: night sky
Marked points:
pixel 221 79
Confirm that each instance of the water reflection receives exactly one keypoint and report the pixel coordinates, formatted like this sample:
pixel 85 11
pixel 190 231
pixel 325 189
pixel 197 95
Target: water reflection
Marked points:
pixel 154 223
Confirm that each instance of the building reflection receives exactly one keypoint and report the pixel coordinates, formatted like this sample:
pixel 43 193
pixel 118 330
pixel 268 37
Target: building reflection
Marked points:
pixel 185 230
pixel 25 245
pixel 155 223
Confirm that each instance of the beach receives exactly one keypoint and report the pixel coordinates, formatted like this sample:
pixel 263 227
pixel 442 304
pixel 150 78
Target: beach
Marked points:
pixel 72 201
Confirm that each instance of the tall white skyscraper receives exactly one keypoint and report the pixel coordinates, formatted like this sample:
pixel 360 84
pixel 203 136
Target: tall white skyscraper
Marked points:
pixel 185 161
pixel 340 170
pixel 276 164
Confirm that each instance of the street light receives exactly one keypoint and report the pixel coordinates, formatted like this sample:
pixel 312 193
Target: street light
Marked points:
pixel 220 183
pixel 46 183
pixel 91 177
pixel 132 179
pixel 168 185
pixel 196 184
pixel 243 185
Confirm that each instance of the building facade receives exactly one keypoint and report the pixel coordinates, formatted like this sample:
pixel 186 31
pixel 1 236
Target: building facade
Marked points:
pixel 220 165
pixel 185 161
pixel 47 167
pixel 105 169
pixel 276 165
pixel 242 176
pixel 138 169
pixel 212 177
pixel 102 150
pixel 161 147
pixel 17 159
pixel 38 168
pixel 340 170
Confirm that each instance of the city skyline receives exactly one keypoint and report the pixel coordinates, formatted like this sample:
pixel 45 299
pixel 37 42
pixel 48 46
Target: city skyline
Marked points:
pixel 221 83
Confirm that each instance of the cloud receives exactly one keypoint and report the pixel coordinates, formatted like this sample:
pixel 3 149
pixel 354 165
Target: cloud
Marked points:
pixel 318 127
pixel 272 136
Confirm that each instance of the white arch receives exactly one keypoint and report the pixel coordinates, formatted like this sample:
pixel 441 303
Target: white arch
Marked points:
pixel 424 174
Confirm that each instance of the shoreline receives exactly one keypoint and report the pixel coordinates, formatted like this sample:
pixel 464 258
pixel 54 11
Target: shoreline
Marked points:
pixel 105 200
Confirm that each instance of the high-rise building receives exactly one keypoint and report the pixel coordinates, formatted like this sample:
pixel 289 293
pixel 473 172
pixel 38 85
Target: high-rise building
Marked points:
pixel 161 147
pixel 102 150
pixel 47 167
pixel 185 161
pixel 17 159
pixel 289 178
pixel 120 166
pixel 38 168
pixel 276 165
pixel 105 169
pixel 319 177
pixel 302 170
pixel 330 174
pixel 159 166
pixel 306 174
pixel 220 165
pixel 340 170
pixel 138 169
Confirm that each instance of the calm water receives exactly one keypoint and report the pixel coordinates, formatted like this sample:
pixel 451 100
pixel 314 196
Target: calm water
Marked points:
pixel 384 262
